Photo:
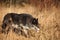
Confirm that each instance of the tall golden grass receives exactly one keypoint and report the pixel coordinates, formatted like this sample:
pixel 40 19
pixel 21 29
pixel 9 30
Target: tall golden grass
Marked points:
pixel 48 14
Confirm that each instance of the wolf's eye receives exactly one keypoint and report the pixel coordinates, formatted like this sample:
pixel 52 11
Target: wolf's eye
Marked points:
pixel 34 20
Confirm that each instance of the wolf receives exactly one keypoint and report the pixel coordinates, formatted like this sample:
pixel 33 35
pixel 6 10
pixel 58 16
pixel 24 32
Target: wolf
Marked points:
pixel 23 20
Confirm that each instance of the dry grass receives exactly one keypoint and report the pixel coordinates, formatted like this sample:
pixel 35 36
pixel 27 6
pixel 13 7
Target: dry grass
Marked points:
pixel 49 21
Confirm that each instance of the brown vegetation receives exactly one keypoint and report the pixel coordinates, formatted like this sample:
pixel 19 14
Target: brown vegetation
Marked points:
pixel 47 12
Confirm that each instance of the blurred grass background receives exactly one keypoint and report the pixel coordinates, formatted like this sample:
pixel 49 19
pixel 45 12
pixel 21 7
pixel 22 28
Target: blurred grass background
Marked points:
pixel 47 12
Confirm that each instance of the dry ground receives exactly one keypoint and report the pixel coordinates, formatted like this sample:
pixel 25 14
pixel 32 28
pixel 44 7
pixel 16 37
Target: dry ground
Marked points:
pixel 49 21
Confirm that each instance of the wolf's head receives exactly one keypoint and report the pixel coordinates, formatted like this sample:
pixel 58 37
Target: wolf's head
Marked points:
pixel 35 21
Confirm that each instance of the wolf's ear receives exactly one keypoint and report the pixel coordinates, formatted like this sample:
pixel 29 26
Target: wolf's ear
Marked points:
pixel 37 19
